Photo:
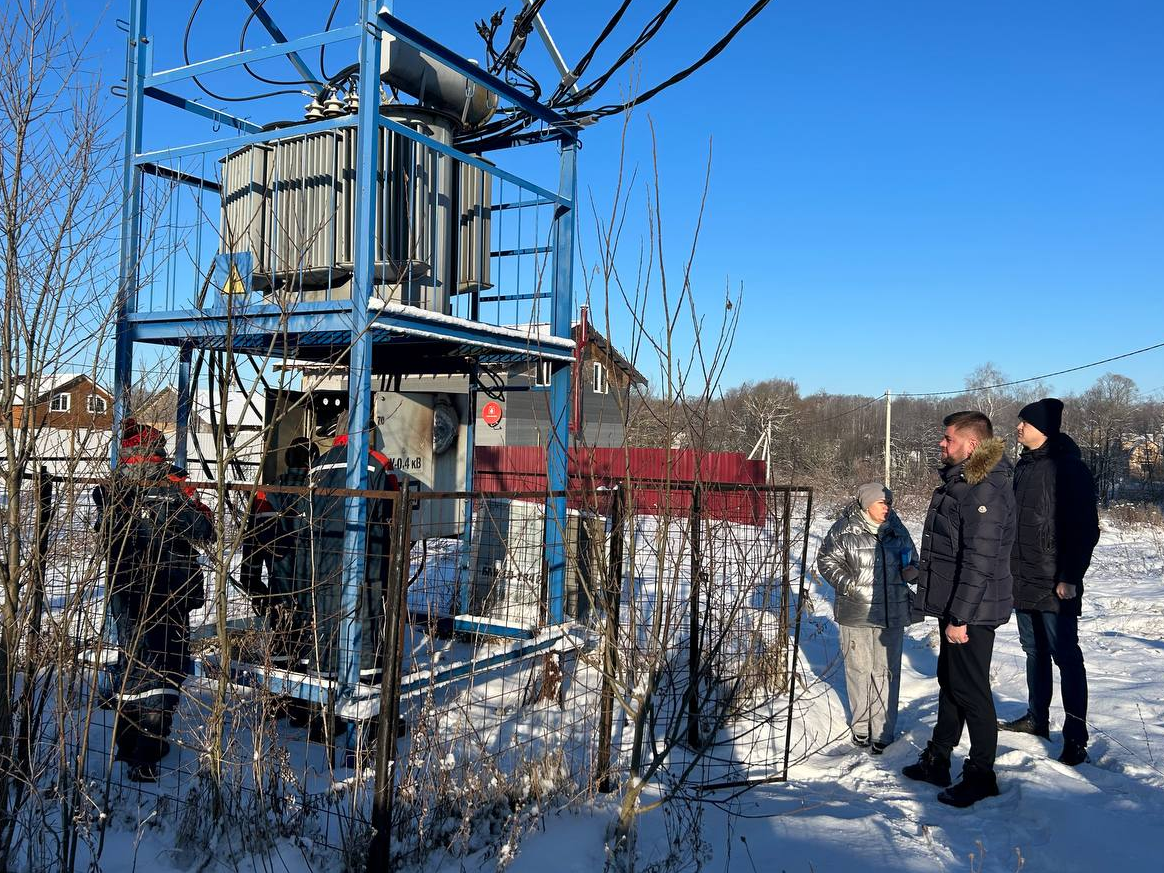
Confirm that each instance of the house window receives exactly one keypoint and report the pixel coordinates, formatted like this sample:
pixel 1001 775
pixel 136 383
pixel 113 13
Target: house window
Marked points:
pixel 543 374
pixel 96 404
pixel 59 403
pixel 600 384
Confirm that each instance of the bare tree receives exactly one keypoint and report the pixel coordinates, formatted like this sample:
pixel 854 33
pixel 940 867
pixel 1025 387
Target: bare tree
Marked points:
pixel 1105 413
pixel 56 198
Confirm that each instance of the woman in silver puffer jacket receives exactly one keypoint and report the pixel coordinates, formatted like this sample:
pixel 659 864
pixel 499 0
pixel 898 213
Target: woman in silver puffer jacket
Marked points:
pixel 868 557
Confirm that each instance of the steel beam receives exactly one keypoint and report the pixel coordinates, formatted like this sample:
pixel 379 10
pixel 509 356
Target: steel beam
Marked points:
pixel 205 111
pixel 235 142
pixel 562 307
pixel 135 66
pixel 183 414
pixel 360 355
pixel 195 323
pixel 250 56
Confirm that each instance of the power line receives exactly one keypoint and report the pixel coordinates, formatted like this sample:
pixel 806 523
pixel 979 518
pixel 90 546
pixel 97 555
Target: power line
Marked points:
pixel 965 390
pixel 1031 378
pixel 864 405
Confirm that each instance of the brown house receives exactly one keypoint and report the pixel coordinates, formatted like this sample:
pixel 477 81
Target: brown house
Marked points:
pixel 1145 453
pixel 66 401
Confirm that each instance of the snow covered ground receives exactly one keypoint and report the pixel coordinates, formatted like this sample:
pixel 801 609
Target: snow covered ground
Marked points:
pixel 845 810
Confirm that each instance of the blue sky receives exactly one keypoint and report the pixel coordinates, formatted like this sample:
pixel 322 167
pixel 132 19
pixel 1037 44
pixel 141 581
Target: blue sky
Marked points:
pixel 904 190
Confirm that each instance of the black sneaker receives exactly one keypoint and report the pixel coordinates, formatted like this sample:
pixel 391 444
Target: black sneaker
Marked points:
pixel 1073 754
pixel 858 740
pixel 930 767
pixel 977 784
pixel 1025 724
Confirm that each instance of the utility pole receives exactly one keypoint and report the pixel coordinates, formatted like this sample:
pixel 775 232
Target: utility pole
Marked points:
pixel 888 431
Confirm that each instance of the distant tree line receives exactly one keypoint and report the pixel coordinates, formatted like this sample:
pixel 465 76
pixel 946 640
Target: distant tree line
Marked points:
pixel 835 441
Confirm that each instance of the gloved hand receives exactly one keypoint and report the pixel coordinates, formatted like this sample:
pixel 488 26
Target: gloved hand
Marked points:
pixel 909 573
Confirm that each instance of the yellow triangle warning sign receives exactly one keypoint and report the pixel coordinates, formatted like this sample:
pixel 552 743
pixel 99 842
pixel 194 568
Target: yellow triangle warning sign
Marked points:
pixel 234 281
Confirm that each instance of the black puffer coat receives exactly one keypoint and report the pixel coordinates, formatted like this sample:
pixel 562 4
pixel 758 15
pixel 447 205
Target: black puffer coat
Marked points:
pixel 967 541
pixel 865 569
pixel 150 527
pixel 1058 524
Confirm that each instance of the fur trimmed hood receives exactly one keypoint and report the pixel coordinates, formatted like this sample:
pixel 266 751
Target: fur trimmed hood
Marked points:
pixel 983 459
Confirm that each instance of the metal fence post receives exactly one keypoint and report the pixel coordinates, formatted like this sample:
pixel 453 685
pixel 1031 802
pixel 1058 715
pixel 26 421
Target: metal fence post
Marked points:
pixel 785 576
pixel 395 612
pixel 693 733
pixel 796 636
pixel 612 596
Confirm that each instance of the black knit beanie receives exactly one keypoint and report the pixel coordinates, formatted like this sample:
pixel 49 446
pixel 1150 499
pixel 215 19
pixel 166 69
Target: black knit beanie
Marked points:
pixel 1045 414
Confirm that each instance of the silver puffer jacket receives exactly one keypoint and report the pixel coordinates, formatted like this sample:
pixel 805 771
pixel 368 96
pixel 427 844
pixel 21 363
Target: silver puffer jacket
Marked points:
pixel 865 569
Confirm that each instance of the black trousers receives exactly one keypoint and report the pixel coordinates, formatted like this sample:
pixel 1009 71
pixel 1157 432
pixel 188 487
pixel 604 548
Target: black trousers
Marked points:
pixel 964 698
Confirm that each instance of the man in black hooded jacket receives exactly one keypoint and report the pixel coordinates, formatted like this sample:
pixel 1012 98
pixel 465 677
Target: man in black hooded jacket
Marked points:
pixel 965 583
pixel 1058 527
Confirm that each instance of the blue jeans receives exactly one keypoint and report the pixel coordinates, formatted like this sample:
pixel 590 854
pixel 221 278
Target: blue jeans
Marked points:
pixel 1048 637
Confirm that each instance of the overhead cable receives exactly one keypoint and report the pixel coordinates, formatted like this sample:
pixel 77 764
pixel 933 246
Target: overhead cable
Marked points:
pixel 711 53
pixel 971 390
pixel 1032 378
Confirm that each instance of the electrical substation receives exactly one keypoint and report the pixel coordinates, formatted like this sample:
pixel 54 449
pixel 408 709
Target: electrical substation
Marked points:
pixel 368 257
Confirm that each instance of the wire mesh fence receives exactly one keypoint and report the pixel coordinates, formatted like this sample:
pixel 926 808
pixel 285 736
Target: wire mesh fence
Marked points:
pixel 420 694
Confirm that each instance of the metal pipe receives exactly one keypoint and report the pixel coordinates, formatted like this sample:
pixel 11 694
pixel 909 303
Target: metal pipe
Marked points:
pixel 360 354
pixel 613 598
pixel 557 456
pixel 127 285
pixel 182 426
pixel 694 735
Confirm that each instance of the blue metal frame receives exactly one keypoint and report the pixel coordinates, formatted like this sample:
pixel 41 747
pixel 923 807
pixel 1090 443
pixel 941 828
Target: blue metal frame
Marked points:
pixel 235 142
pixel 185 389
pixel 135 62
pixel 360 362
pixel 250 56
pixel 205 111
pixel 346 321
pixel 557 445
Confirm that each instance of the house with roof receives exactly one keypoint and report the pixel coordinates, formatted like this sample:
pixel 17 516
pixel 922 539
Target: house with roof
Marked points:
pixel 62 401
pixel 602 387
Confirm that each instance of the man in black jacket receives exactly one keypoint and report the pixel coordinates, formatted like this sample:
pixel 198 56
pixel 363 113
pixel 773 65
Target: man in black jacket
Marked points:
pixel 965 582
pixel 150 524
pixel 1058 527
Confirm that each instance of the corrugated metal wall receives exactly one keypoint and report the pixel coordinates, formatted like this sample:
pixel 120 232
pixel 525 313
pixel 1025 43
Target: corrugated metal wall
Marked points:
pixel 523 468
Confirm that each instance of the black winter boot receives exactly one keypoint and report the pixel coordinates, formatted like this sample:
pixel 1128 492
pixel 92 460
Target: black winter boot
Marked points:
pixel 1073 754
pixel 977 784
pixel 1025 724
pixel 931 767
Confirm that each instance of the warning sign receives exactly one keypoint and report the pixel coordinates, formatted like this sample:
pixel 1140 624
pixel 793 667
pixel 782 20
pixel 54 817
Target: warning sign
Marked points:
pixel 491 413
pixel 232 273
pixel 234 282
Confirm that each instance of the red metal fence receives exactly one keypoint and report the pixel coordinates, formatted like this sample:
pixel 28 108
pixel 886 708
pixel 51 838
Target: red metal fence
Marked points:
pixel 523 468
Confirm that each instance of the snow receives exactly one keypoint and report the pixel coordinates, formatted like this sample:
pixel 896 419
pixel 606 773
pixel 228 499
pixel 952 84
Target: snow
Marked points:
pixel 841 808
pixel 478 328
